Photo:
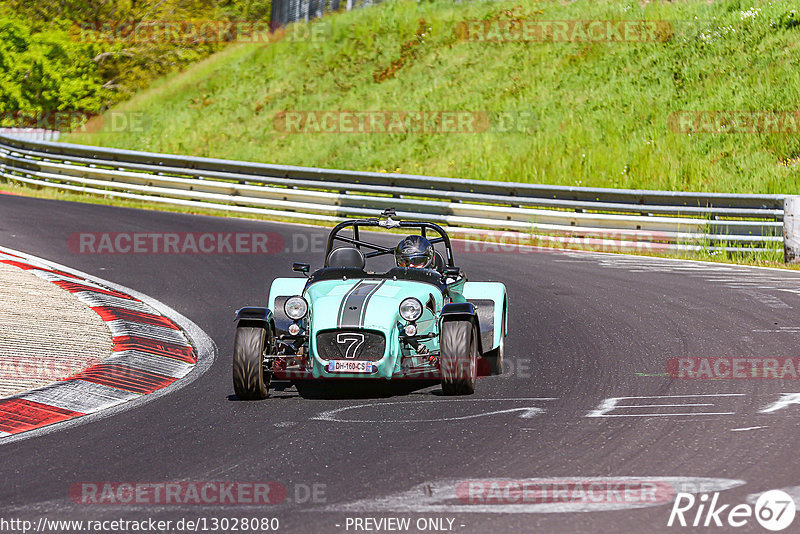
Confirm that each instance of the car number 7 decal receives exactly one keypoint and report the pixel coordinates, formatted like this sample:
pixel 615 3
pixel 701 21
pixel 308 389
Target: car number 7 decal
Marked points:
pixel 353 342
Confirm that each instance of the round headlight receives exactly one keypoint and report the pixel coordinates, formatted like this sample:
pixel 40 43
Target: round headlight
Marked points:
pixel 296 308
pixel 410 309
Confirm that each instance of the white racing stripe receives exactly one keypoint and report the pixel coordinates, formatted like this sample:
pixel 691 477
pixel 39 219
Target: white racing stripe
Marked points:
pixel 96 300
pixel 152 363
pixel 78 396
pixel 24 258
pixel 122 327
pixel 53 277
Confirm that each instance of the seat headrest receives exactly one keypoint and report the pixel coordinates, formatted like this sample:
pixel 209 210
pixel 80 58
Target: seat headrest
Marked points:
pixel 346 257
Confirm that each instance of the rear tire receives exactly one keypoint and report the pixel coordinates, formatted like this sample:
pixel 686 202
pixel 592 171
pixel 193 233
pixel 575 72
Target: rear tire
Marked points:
pixel 250 381
pixel 458 357
pixel 496 357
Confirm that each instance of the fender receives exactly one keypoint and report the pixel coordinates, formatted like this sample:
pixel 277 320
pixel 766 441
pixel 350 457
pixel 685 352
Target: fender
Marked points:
pixel 463 311
pixel 491 300
pixel 254 316
pixel 285 287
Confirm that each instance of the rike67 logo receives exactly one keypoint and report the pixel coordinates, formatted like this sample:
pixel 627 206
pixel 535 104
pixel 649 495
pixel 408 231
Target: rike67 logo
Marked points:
pixel 774 510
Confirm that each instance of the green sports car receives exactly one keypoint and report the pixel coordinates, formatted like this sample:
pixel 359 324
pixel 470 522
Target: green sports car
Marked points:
pixel 420 319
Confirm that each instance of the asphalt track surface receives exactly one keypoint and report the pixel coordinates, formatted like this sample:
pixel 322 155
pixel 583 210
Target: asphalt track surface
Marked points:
pixel 582 328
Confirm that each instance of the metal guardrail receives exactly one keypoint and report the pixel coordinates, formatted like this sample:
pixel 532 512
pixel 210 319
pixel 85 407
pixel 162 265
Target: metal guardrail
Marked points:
pixel 34 134
pixel 629 218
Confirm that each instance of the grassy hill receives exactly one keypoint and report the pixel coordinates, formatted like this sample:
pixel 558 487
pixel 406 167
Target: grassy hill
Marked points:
pixel 581 113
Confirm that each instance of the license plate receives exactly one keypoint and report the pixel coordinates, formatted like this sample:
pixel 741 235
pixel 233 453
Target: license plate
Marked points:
pixel 347 366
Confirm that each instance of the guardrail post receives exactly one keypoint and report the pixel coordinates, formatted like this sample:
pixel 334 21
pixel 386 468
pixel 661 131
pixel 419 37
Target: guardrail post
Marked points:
pixel 791 229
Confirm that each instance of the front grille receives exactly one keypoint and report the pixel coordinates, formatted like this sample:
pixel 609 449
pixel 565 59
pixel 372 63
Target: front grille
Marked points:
pixel 350 344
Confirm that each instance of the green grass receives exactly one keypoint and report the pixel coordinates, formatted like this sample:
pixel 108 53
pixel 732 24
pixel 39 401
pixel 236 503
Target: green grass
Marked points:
pixel 599 110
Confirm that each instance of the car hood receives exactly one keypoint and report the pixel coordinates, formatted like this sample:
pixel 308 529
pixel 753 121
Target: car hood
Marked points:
pixel 365 303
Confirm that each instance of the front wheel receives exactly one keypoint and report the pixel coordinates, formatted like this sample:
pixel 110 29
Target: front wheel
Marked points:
pixel 250 380
pixel 458 357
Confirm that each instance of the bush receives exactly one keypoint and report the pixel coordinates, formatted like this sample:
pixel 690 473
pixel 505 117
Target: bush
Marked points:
pixel 56 55
pixel 45 72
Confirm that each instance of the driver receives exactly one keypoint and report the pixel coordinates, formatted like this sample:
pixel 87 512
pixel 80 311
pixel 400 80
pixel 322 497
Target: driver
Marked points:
pixel 414 251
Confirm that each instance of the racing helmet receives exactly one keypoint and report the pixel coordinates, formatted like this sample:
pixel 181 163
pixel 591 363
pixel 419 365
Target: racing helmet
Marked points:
pixel 414 251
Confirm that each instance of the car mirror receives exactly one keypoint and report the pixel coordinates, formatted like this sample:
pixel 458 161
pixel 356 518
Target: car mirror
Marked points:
pixel 301 268
pixel 452 272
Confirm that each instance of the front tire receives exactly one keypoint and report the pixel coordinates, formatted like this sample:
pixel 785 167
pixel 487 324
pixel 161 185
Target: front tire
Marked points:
pixel 458 357
pixel 250 381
